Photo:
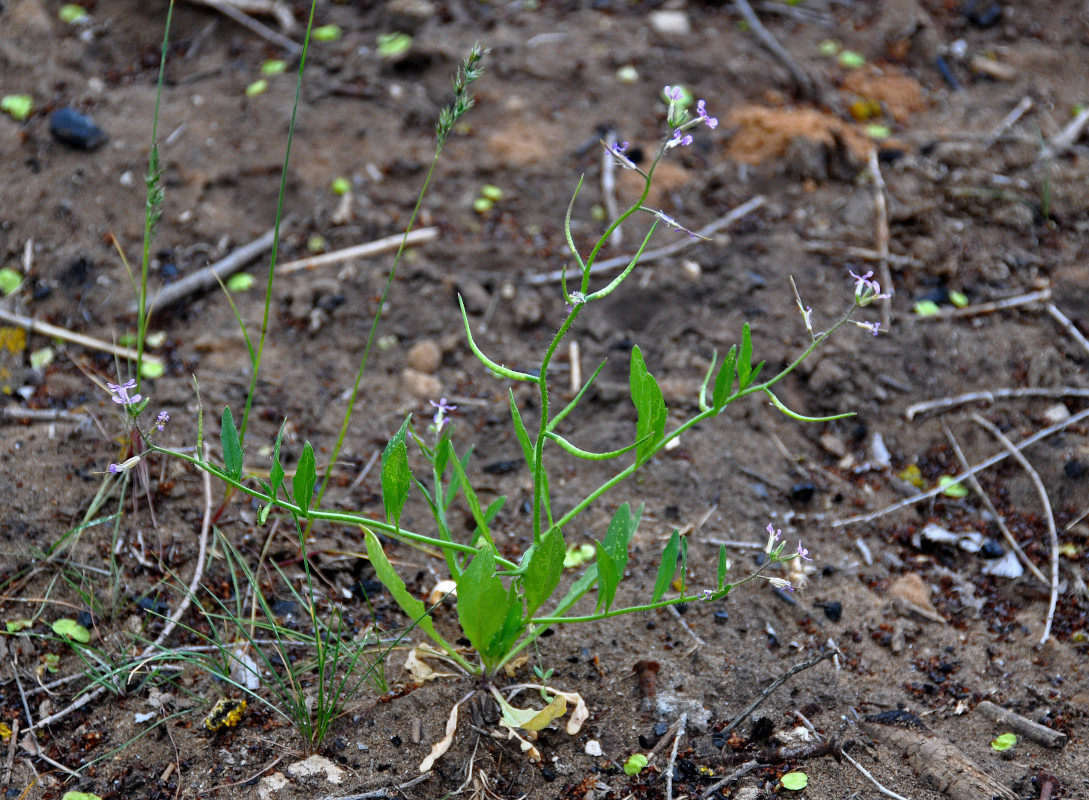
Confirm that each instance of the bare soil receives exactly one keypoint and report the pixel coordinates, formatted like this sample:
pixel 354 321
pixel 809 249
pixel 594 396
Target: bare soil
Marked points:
pixel 990 212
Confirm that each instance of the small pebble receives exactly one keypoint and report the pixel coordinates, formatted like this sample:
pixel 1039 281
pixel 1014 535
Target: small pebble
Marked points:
pixel 527 308
pixel 661 728
pixel 75 130
pixel 671 22
pixel 834 611
pixel 991 549
pixel 722 616
pixel 802 492
pixel 474 295
pixel 424 356
pixel 421 385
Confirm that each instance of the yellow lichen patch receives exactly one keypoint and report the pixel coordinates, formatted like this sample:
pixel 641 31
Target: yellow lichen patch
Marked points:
pixel 225 714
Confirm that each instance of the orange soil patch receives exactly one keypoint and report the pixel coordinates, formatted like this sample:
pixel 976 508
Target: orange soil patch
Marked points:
pixel 766 133
pixel 901 95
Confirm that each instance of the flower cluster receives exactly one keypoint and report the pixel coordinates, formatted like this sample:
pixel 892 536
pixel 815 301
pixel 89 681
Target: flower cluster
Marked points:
pixel 119 393
pixel 122 394
pixel 867 290
pixel 679 119
pixel 441 410
pixel 774 548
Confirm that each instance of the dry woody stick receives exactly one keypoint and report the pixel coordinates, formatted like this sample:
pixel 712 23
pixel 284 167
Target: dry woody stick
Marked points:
pixel 1023 726
pixel 45 329
pixel 1053 534
pixel 361 250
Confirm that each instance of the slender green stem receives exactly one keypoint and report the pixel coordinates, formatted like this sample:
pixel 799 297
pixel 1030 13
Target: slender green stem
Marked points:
pixel 255 365
pixel 154 199
pixel 325 516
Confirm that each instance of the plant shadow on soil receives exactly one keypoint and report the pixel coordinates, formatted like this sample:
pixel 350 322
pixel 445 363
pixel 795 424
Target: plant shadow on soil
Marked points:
pixel 966 213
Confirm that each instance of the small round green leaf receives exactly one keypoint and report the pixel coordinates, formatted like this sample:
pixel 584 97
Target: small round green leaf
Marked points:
pixel 273 66
pixel 391 45
pixel 952 488
pixel 10 280
pixel 316 243
pixel 927 308
pixel 18 106
pixel 959 299
pixel 829 48
pixel 1004 742
pixel 877 131
pixel 492 192
pixel 482 205
pixel 42 358
pixel 73 13
pixel 259 86
pixel 635 764
pixel 340 186
pixel 240 282
pixel 70 629
pixel 627 74
pixel 80 796
pixel 851 59
pixel 795 781
pixel 326 33
pixel 16 625
pixel 151 369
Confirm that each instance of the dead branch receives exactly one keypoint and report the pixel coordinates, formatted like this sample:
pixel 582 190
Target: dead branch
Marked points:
pixel 673 754
pixel 45 329
pixel 864 253
pixel 775 684
pixel 871 778
pixel 230 9
pixel 1008 121
pixel 744 769
pixel 1053 534
pixel 803 81
pixel 1023 726
pixel 999 520
pixel 1068 325
pixel 374 248
pixel 209 276
pixel 881 236
pixel 991 396
pixel 990 462
pixel 988 308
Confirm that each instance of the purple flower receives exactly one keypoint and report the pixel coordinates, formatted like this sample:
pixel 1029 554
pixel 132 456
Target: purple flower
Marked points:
pixel 161 420
pixel 778 583
pixel 619 148
pixel 803 553
pixel 773 537
pixel 706 594
pixel 115 469
pixel 679 139
pixel 120 393
pixel 674 93
pixel 701 109
pixel 872 327
pixel 442 409
pixel 866 290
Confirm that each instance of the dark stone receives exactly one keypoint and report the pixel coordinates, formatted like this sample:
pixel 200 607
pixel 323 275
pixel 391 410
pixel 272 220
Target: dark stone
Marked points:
pixel 661 729
pixel 834 611
pixel 722 616
pixel 75 130
pixel 1074 469
pixel 802 492
pixel 991 549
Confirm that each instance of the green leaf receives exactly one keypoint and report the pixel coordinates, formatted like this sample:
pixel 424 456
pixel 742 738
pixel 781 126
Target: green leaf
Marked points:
pixel 259 86
pixel 951 487
pixel 72 13
pixel 723 565
pixel 396 477
pixel 483 604
pixel 1004 742
pixel 744 359
pixel 668 567
pixel 545 568
pixel 16 625
pixel 635 764
pixel 391 45
pixel 608 578
pixel 340 186
pixel 795 781
pixel 530 719
pixel 396 587
pixel 273 66
pixel 471 499
pixel 927 308
pixel 577 555
pixel 302 484
pixel 724 381
pixel 684 563
pixel 10 280
pixel 326 33
pixel 647 397
pixel 80 796
pixel 521 432
pixel 70 629
pixel 151 369
pixel 621 529
pixel 240 282
pixel 232 447
pixel 18 106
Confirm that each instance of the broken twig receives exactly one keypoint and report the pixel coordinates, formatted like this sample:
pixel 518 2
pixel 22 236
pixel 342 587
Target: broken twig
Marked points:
pixel 803 81
pixel 383 245
pixel 45 329
pixel 775 684
pixel 990 462
pixel 1022 725
pixel 988 308
pixel 881 236
pixel 1053 534
pixel 992 396
pixel 1068 325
